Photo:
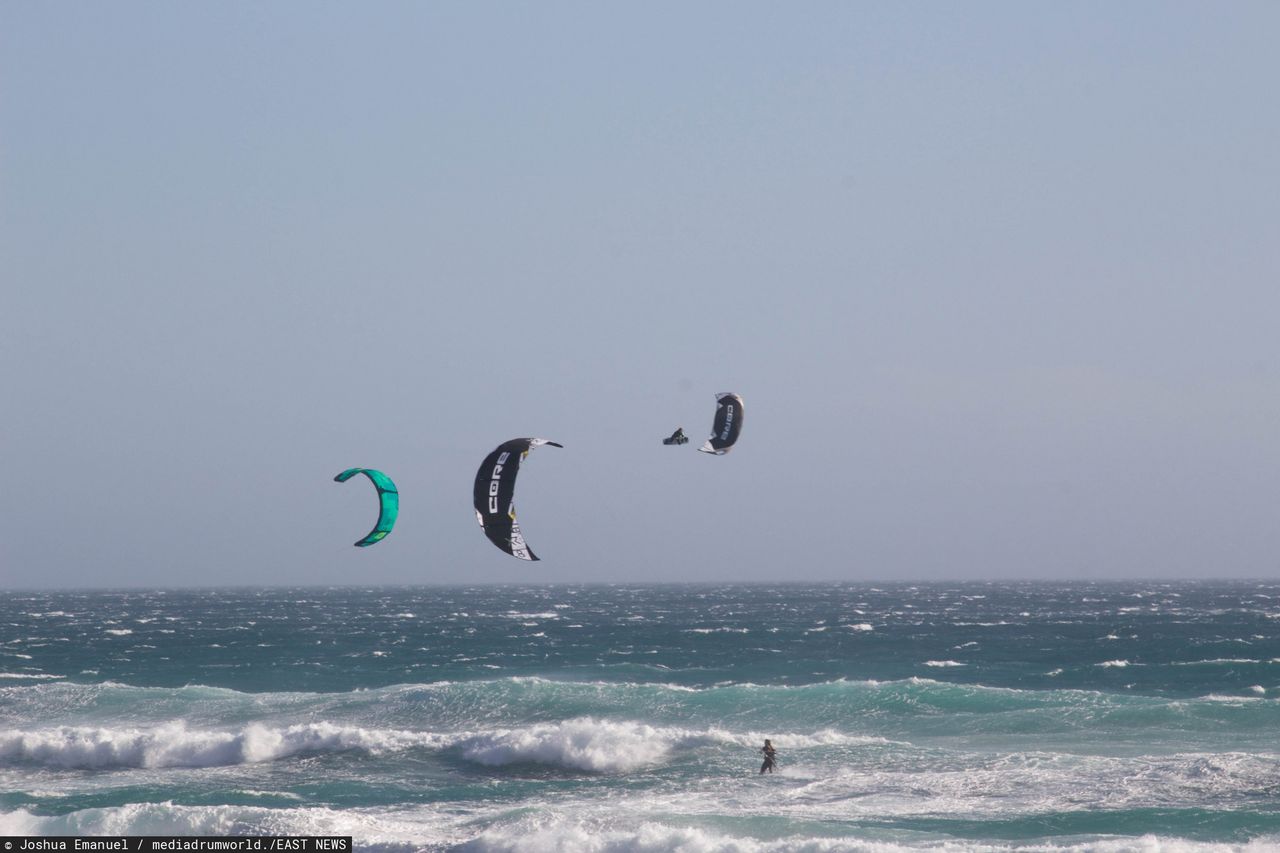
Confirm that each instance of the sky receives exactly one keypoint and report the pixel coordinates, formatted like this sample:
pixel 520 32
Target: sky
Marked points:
pixel 999 284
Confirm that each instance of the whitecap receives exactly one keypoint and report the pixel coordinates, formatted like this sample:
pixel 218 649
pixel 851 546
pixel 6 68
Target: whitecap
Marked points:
pixel 175 745
pixel 585 744
pixel 1213 662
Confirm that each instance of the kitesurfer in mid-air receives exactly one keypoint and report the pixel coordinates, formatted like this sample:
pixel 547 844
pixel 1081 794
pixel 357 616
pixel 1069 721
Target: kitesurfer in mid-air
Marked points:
pixel 769 755
pixel 677 437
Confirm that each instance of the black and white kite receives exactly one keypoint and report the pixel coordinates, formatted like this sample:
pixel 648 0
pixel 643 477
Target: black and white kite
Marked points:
pixel 727 425
pixel 495 491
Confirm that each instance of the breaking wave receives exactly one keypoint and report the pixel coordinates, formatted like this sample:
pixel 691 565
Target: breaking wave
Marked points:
pixel 603 746
pixel 175 745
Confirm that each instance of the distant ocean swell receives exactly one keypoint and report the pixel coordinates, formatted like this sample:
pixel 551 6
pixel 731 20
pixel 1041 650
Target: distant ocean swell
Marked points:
pixel 909 705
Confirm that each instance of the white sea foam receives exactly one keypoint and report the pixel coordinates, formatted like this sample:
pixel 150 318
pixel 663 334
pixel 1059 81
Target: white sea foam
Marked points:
pixel 175 745
pixel 538 831
pixel 1228 700
pixel 944 663
pixel 655 837
pixel 378 831
pixel 703 820
pixel 862 626
pixel 1029 783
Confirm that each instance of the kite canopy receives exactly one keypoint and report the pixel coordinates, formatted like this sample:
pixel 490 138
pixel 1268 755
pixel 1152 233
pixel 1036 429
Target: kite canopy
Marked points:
pixel 727 425
pixel 389 502
pixel 494 495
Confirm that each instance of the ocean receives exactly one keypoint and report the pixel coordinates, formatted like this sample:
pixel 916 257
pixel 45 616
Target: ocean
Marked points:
pixel 1126 716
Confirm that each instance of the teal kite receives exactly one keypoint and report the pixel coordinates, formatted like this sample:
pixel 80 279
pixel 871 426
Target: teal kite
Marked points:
pixel 388 497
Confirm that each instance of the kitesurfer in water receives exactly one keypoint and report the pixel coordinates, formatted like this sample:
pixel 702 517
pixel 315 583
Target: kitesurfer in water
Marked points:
pixel 677 437
pixel 769 755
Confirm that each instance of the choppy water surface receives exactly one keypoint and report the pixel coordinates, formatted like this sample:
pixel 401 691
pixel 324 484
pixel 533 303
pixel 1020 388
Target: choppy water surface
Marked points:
pixel 1122 716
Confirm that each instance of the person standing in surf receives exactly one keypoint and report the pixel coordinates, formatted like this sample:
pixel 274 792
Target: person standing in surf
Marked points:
pixel 769 755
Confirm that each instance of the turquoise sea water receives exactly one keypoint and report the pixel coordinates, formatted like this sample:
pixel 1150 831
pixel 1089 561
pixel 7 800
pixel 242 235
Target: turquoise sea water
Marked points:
pixel 1125 716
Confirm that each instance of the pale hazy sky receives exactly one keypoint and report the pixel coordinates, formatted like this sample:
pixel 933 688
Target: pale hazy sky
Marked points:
pixel 999 283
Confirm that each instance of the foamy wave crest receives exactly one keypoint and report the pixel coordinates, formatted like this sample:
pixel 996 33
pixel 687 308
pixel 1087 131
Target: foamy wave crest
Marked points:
pixel 598 746
pixel 1214 662
pixel 605 746
pixel 174 745
pixel 790 740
